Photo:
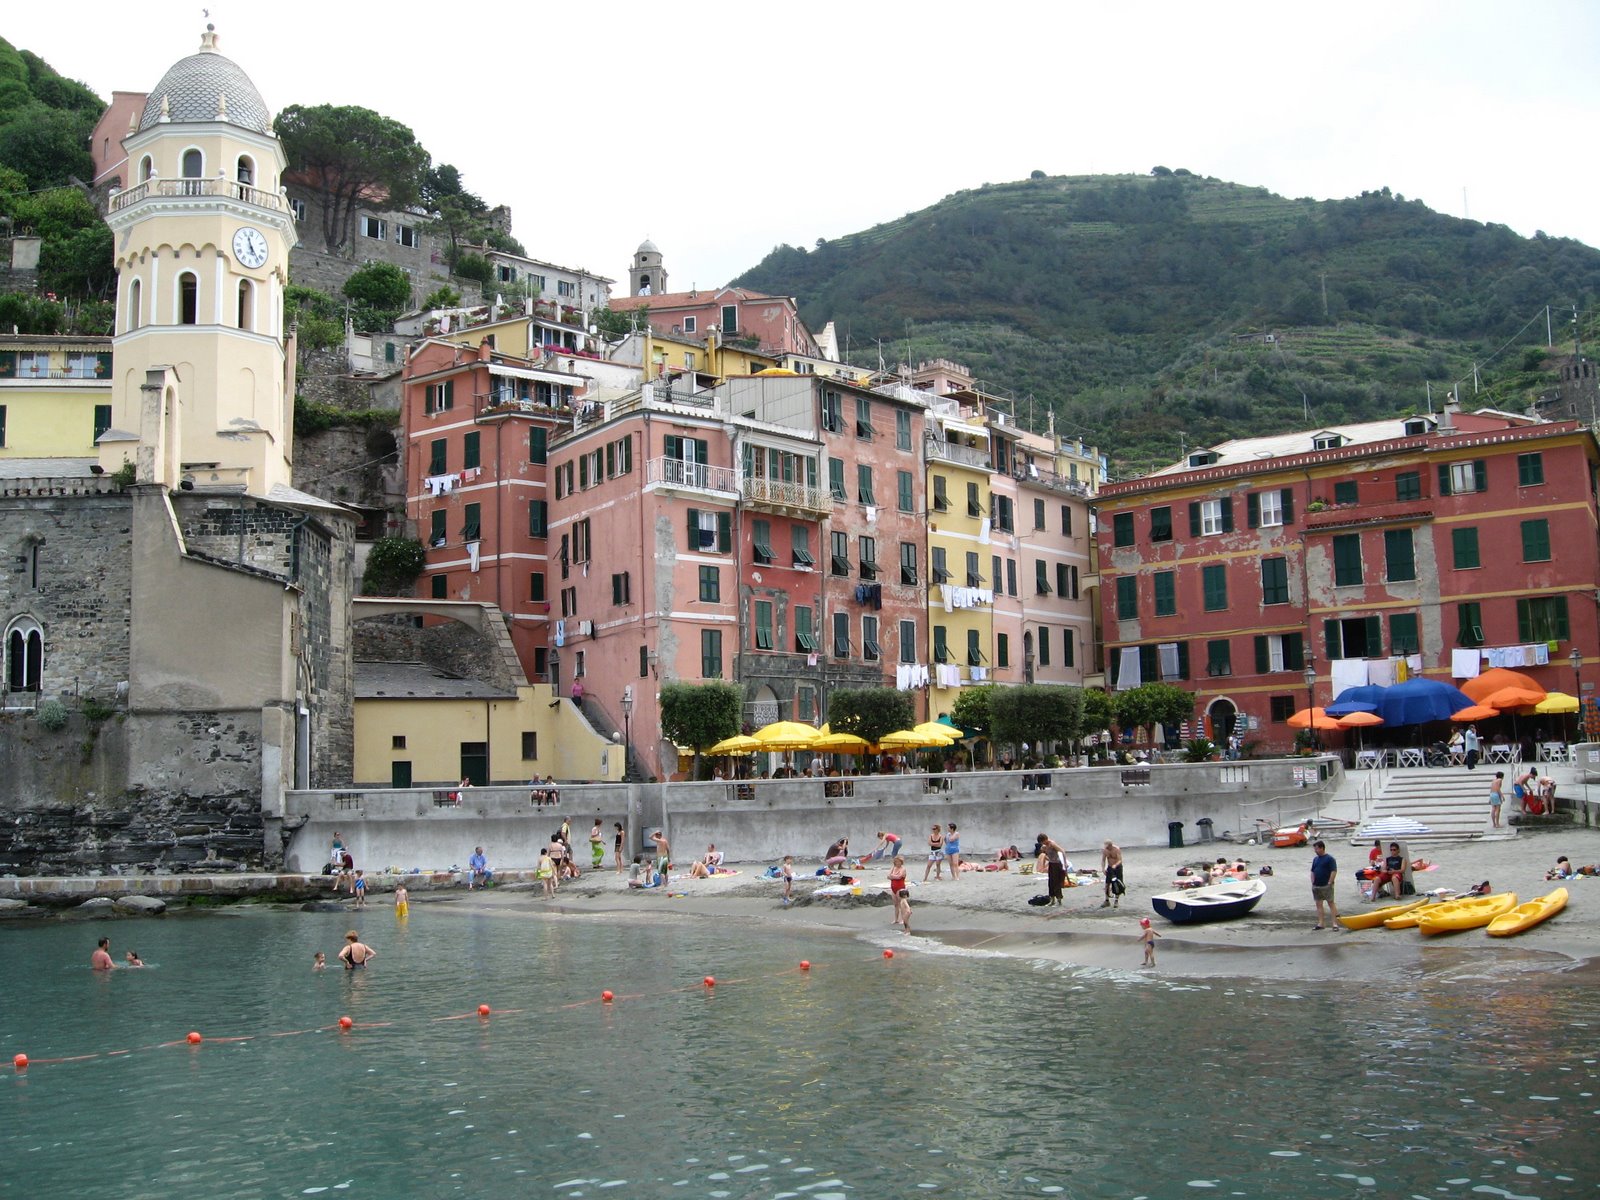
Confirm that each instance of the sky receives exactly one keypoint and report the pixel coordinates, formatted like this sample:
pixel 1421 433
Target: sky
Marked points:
pixel 721 133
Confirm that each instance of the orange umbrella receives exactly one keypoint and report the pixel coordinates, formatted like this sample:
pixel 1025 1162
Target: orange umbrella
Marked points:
pixel 1355 719
pixel 1513 697
pixel 1477 712
pixel 1491 681
pixel 1313 718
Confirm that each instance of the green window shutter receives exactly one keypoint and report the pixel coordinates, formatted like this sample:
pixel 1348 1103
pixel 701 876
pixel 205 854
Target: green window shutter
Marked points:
pixel 1226 504
pixel 1294 647
pixel 1347 559
pixel 1122 529
pixel 702 450
pixel 1536 541
pixel 1403 633
pixel 1215 581
pixel 436 530
pixel 836 478
pixel 611 459
pixel 905 499
pixel 102 366
pixel 1253 510
pixel 538 443
pixel 470 451
pixel 537 519
pixel 1263 656
pixel 941 648
pixel 724 532
pixel 102 419
pixel 694 529
pixel 8 364
pixel 1194 519
pixel 1444 479
pixel 1399 553
pixel 1127 598
pixel 1464 547
pixel 1374 636
pixel 1469 625
pixel 1166 591
pixel 749 460
pixel 1149 663
pixel 671 446
pixel 1183 660
pixel 1332 640
pixel 1480 475
pixel 1286 497
pixel 436 457
pixel 1530 469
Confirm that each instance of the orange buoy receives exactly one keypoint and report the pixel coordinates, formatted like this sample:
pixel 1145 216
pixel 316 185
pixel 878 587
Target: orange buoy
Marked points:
pixel 607 997
pixel 888 953
pixel 20 1062
pixel 483 1010
pixel 710 982
pixel 805 965
pixel 194 1038
pixel 345 1023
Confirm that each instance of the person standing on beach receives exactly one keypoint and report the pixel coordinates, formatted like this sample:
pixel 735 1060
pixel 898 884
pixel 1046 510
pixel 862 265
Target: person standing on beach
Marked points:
pixel 1497 797
pixel 356 953
pixel 597 844
pixel 952 851
pixel 935 854
pixel 1324 871
pixel 1470 741
pixel 1148 936
pixel 787 872
pixel 616 846
pixel 1055 866
pixel 897 889
pixel 1111 868
pixel 100 960
pixel 663 854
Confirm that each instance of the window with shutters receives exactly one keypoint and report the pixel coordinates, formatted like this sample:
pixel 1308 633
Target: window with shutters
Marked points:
pixel 710 584
pixel 1063 581
pixel 440 587
pixel 761 541
pixel 1403 635
pixel 1464 548
pixel 472 526
pixel 1280 709
pixel 102 420
pixel 1066 519
pixel 1122 529
pixel 1211 517
pixel 1353 637
pixel 1347 560
pixel 841 635
pixel 996 573
pixel 1469 624
pixel 1399 555
pixel 711 654
pixel 1011 577
pixel 436 456
pixel 1463 478
pixel 471 452
pixel 908 641
pixel 763 625
pixel 1160 523
pixel 1346 493
pixel 870 649
pixel 1127 598
pixel 864 429
pixel 1214 587
pixel 538 443
pixel 903 492
pixel 538 519
pixel 941 499
pixel 621 592
pixel 1004 513
pixel 908 563
pixel 864 484
pixel 832 412
pixel 1041 577
pixel 902 429
pixel 436 528
pixel 1279 652
pixel 1166 588
pixel 974 572
pixel 1536 541
pixel 941 645
pixel 1068 654
pixel 974 502
pixel 805 633
pixel 440 397
pixel 1408 485
pixel 836 479
pixel 536 587
pixel 800 550
pixel 1542 619
pixel 1530 469
pixel 1274 581
pixel 975 654
pixel 868 554
pixel 839 552
pixel 940 572
pixel 1038 514
pixel 580 541
pixel 1002 650
pixel 1270 508
pixel 1219 657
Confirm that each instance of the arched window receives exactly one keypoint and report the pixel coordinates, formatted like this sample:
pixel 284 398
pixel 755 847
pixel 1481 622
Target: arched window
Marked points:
pixel 188 299
pixel 194 165
pixel 246 173
pixel 247 304
pixel 146 168
pixel 24 655
pixel 135 304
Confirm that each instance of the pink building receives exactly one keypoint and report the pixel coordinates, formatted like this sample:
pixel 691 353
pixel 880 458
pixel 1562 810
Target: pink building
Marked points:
pixel 770 324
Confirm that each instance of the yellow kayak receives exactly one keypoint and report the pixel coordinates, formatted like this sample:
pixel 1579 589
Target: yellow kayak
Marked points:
pixel 1526 916
pixel 1466 914
pixel 1377 916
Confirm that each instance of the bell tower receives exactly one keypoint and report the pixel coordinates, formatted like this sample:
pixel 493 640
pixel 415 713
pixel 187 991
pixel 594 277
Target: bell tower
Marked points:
pixel 647 277
pixel 203 387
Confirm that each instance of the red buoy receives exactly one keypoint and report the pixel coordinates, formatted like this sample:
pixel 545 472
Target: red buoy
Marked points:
pixel 483 1010
pixel 345 1023
pixel 607 997
pixel 20 1062
pixel 888 953
pixel 710 982
pixel 194 1038
pixel 805 965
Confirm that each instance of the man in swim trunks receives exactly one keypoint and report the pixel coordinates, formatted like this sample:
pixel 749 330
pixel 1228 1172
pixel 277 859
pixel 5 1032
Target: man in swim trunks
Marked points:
pixel 663 854
pixel 1324 870
pixel 100 960
pixel 356 953
pixel 1111 868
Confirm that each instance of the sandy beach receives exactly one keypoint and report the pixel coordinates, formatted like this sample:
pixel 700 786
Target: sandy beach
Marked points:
pixel 987 912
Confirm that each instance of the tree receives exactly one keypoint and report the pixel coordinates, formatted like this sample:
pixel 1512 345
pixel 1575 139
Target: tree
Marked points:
pixel 869 712
pixel 614 324
pixel 700 714
pixel 382 291
pixel 971 710
pixel 1096 714
pixel 351 155
pixel 393 565
pixel 1153 704
pixel 442 297
pixel 1035 714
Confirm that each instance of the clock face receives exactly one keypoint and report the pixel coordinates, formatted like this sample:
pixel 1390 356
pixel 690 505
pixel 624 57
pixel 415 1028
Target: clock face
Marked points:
pixel 250 247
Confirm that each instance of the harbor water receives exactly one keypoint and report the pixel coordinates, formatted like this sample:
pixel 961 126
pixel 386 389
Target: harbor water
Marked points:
pixel 934 1072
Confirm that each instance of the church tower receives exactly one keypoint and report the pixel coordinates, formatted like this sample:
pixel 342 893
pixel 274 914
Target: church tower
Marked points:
pixel 203 391
pixel 647 277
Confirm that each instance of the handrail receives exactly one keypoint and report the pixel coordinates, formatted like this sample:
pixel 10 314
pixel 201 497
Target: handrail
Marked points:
pixel 230 188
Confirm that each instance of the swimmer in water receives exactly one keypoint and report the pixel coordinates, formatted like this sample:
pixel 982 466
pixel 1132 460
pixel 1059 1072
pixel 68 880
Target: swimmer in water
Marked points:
pixel 356 953
pixel 100 960
pixel 132 959
pixel 319 961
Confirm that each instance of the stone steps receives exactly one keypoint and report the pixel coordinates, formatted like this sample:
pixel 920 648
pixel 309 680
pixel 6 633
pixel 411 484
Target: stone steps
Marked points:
pixel 1451 801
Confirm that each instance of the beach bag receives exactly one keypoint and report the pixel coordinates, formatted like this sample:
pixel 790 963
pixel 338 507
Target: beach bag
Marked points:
pixel 1038 901
pixel 1118 888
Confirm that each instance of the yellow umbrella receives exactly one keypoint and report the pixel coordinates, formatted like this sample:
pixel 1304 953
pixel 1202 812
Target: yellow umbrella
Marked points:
pixel 840 743
pixel 786 735
pixel 911 739
pixel 739 743
pixel 1557 702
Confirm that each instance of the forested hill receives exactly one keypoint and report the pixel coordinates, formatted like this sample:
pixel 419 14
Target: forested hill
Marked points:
pixel 1128 303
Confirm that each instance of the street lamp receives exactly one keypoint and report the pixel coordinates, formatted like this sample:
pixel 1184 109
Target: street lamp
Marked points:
pixel 627 729
pixel 1576 659
pixel 1311 699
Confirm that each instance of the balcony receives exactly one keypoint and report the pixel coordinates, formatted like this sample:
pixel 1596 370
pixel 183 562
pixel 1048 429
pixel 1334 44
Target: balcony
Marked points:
pixel 966 456
pixel 785 498
pixel 1347 516
pixel 690 478
pixel 187 188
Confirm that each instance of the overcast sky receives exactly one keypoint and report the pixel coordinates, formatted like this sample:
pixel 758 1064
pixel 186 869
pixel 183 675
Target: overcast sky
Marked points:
pixel 720 132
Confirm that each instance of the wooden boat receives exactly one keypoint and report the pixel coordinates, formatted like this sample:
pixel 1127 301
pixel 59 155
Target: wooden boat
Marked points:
pixel 1526 916
pixel 1377 916
pixel 1473 913
pixel 1219 902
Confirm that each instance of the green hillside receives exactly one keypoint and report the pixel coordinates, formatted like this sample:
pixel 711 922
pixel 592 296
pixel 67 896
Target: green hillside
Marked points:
pixel 1136 306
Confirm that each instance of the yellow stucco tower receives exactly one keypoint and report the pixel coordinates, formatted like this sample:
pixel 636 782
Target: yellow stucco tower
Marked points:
pixel 203 389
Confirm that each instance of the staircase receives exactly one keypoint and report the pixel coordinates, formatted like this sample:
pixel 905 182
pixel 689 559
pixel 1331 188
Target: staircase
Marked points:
pixel 1451 801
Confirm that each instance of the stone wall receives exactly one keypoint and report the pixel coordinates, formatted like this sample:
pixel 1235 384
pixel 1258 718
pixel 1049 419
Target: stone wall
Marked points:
pixel 351 464
pixel 65 561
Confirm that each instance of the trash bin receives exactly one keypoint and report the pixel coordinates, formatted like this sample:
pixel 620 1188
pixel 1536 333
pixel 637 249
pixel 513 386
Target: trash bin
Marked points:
pixel 1204 826
pixel 1175 835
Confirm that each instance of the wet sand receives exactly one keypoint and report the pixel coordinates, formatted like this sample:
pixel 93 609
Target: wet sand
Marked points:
pixel 988 913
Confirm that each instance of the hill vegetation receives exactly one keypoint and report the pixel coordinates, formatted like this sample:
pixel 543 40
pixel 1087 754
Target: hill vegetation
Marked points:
pixel 1139 308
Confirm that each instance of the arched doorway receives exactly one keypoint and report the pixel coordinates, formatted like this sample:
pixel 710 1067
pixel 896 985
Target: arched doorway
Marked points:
pixel 1223 719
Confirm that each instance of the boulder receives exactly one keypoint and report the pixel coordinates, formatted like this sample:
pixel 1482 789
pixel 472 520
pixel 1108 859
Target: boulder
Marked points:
pixel 144 906
pixel 97 905
pixel 321 906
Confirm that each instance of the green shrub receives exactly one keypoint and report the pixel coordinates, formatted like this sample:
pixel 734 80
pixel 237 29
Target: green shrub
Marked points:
pixel 96 710
pixel 52 714
pixel 393 566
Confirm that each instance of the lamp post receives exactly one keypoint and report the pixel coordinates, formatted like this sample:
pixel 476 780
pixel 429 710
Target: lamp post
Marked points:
pixel 1576 659
pixel 627 730
pixel 1311 699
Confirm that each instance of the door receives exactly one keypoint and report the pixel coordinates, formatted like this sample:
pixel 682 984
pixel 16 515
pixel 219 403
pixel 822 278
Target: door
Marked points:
pixel 400 774
pixel 475 763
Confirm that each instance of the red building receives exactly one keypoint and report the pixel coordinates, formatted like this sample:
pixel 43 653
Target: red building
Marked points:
pixel 1262 571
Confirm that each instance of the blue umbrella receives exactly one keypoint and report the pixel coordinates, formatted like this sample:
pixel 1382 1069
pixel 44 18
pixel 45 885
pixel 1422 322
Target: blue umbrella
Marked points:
pixel 1366 698
pixel 1418 701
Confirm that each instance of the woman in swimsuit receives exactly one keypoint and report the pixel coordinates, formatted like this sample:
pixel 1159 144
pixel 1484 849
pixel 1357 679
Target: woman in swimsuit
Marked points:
pixel 935 855
pixel 616 844
pixel 902 896
pixel 952 851
pixel 356 953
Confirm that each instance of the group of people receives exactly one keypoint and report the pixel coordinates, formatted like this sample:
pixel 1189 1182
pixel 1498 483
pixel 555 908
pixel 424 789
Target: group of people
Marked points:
pixel 1533 794
pixel 101 959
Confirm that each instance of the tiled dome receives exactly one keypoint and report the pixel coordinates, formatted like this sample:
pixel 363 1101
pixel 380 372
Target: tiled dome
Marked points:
pixel 207 87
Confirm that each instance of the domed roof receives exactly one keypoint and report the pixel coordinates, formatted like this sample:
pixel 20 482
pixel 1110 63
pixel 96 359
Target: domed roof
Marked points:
pixel 647 247
pixel 206 87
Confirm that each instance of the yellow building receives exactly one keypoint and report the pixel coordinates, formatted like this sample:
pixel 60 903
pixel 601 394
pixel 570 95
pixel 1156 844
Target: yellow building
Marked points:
pixel 55 400
pixel 961 592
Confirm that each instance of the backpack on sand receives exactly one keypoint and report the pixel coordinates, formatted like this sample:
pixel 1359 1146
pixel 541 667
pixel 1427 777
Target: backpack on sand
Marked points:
pixel 1038 901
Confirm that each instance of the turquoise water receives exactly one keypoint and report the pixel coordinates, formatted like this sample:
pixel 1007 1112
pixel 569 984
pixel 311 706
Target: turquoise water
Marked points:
pixel 934 1073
